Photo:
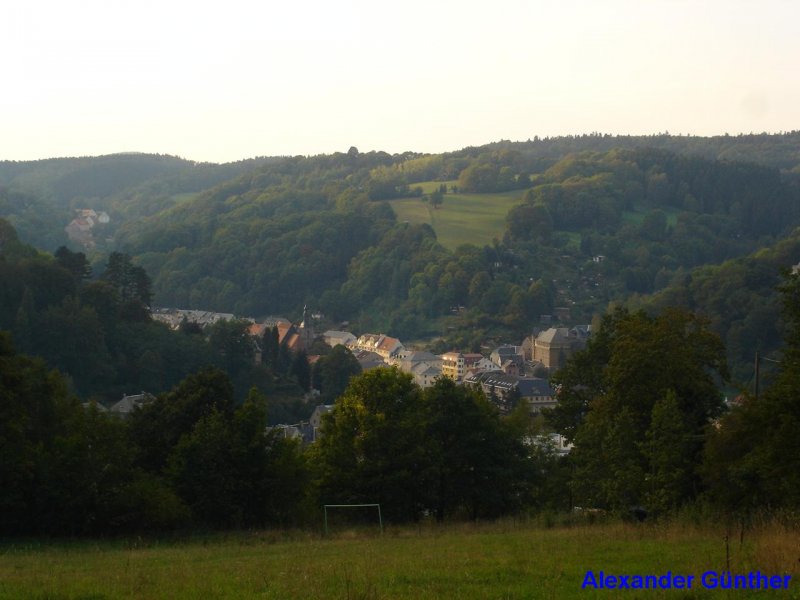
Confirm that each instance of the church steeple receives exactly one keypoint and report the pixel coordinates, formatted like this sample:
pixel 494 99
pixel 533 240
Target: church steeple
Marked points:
pixel 306 329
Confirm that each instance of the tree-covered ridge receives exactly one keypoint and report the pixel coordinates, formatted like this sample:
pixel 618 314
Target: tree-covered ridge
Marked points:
pixel 95 328
pixel 779 151
pixel 242 234
pixel 39 197
pixel 598 228
pixel 599 219
pixel 594 190
pixel 643 408
pixel 739 299
pixel 133 185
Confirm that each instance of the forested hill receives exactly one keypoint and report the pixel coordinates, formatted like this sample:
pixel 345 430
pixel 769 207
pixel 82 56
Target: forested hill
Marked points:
pixel 66 179
pixel 40 197
pixel 739 298
pixel 594 220
pixel 781 151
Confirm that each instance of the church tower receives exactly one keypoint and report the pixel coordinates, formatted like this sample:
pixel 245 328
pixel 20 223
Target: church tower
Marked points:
pixel 306 329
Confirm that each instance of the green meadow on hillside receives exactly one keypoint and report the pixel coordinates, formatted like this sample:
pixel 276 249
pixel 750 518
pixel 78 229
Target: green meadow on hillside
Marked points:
pixel 480 218
pixel 636 216
pixel 469 561
pixel 462 218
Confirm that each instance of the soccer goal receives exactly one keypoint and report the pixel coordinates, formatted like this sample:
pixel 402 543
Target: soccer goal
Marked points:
pixel 353 507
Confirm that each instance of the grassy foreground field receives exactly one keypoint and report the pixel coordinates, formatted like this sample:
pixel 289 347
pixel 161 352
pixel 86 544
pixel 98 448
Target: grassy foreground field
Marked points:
pixel 481 561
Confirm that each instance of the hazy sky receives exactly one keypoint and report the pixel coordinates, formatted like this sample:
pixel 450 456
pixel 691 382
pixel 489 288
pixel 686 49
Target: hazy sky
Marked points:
pixel 236 79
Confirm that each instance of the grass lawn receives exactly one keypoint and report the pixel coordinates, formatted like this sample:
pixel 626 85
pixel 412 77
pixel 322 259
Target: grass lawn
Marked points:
pixel 637 215
pixel 479 218
pixel 468 561
pixel 430 186
pixel 462 218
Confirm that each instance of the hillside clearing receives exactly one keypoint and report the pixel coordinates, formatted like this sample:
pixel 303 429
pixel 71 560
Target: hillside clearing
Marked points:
pixel 462 218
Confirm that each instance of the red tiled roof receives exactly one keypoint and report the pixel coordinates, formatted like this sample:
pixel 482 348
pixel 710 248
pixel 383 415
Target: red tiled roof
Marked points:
pixel 257 329
pixel 388 344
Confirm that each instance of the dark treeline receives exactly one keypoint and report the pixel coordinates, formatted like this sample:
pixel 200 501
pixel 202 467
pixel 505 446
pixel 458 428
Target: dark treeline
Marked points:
pixel 97 330
pixel 738 298
pixel 192 457
pixel 641 404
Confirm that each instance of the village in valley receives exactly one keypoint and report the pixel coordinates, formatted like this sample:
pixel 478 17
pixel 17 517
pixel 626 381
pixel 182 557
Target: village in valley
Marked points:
pixel 508 375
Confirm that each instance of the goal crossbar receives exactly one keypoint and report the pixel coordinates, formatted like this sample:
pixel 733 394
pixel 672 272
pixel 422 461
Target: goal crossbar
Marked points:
pixel 327 506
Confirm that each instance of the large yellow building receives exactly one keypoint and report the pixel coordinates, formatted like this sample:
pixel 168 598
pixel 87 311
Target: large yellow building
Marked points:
pixel 453 365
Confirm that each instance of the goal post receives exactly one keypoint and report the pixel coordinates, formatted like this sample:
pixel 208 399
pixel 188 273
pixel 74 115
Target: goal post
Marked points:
pixel 327 506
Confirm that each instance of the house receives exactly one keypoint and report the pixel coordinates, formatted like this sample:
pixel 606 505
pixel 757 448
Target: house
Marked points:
pixel 175 316
pixel 472 359
pixel 408 359
pixel 257 330
pixel 538 393
pixel 79 230
pixel 382 344
pixel 273 321
pixel 288 432
pixel 423 366
pixel 497 383
pixel 128 404
pixel 369 360
pixel 502 354
pixel 482 365
pixel 334 338
pixel 581 332
pixel 511 367
pixel 497 386
pixel 389 346
pixel 425 374
pixel 453 365
pixel 306 432
pixel 554 442
pixel 315 420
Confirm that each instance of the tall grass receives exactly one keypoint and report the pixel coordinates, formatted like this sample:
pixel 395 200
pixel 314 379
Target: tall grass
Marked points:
pixel 539 558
